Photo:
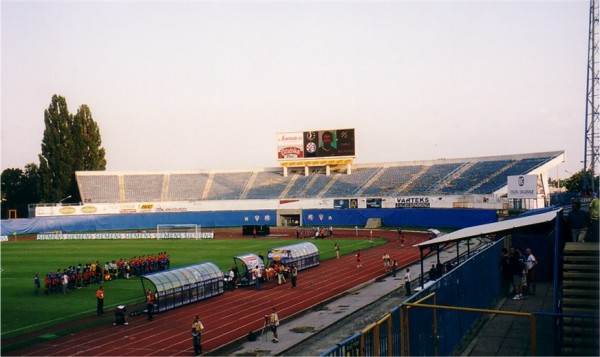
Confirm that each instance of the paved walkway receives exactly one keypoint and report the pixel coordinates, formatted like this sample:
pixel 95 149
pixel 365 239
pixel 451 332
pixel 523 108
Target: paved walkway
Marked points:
pixel 500 335
pixel 505 335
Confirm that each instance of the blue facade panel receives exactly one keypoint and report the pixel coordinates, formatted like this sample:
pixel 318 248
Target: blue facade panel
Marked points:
pixel 142 221
pixel 415 217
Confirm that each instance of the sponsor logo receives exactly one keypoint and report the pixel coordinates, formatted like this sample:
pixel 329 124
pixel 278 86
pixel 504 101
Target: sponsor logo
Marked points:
pixel 413 202
pixel 173 209
pixel 67 210
pixel 291 152
pixel 147 206
pixel 290 137
pixel 88 209
pixel 127 210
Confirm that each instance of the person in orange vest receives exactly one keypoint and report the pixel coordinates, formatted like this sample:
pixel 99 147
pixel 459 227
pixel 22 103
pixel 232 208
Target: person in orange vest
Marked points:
pixel 150 303
pixel 100 301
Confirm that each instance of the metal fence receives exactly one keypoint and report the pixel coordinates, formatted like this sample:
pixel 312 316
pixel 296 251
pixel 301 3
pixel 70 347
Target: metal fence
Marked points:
pixel 466 285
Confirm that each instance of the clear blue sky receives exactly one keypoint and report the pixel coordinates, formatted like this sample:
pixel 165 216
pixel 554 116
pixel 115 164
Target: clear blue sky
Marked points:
pixel 207 85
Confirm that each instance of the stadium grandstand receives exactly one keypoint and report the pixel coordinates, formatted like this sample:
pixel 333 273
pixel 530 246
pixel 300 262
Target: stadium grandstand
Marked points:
pixel 450 193
pixel 479 175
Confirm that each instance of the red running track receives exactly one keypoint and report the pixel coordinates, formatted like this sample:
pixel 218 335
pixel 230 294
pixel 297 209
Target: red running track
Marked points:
pixel 231 316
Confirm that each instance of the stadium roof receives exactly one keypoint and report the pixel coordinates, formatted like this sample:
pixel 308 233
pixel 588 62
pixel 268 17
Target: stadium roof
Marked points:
pixel 489 228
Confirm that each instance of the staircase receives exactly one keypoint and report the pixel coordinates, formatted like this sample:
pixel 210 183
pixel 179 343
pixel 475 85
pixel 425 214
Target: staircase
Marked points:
pixel 580 296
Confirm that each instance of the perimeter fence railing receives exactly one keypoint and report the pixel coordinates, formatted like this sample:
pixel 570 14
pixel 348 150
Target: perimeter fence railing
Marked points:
pixel 473 282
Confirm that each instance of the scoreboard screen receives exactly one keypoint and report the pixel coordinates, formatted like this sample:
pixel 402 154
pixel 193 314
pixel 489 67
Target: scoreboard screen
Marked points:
pixel 315 144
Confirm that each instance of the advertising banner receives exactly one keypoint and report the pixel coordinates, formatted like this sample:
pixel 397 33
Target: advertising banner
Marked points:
pixel 374 202
pixel 522 186
pixel 413 202
pixel 290 145
pixel 341 204
pixel 278 254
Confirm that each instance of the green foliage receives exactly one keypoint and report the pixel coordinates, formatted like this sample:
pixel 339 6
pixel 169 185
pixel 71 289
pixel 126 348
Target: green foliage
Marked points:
pixel 19 188
pixel 70 143
pixel 22 311
pixel 574 184
pixel 87 142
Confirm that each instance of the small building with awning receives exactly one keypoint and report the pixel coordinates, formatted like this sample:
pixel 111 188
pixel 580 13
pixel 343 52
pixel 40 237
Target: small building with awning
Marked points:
pixel 303 255
pixel 185 285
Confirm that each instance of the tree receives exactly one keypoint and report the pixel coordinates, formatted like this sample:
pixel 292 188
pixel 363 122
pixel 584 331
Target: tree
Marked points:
pixel 70 143
pixel 87 143
pixel 574 184
pixel 19 189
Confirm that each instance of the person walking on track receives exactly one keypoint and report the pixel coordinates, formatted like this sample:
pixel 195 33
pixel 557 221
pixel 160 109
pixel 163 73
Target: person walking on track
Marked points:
pixel 197 329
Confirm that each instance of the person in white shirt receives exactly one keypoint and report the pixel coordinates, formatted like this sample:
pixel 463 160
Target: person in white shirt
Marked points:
pixel 530 264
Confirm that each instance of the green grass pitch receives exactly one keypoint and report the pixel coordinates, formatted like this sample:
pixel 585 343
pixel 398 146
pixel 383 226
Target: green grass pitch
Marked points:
pixel 23 312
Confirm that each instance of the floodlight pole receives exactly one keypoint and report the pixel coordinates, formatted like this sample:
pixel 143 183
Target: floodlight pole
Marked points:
pixel 590 150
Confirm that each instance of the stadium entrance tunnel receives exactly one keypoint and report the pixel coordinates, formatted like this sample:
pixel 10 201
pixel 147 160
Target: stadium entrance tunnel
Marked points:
pixel 256 230
pixel 183 286
pixel 245 263
pixel 303 255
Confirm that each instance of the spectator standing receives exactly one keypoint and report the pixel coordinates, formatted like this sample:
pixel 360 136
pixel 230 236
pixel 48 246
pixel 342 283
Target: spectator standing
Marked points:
pixel 257 276
pixel 517 267
pixel 432 273
pixel 394 267
pixel 439 267
pixel 407 282
pixel 274 323
pixel 197 329
pixel 100 301
pixel 530 267
pixel 594 211
pixel 294 274
pixel 37 284
pixel 578 220
pixel 150 298
pixel 236 275
pixel 506 271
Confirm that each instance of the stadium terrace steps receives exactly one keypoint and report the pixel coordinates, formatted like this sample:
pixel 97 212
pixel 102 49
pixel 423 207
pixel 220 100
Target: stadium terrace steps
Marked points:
pixel 580 296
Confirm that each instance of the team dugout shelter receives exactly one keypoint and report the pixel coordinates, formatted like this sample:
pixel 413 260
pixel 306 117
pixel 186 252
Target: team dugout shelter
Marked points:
pixel 185 285
pixel 247 262
pixel 303 255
